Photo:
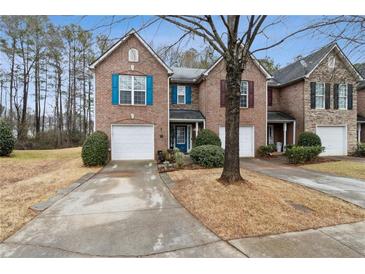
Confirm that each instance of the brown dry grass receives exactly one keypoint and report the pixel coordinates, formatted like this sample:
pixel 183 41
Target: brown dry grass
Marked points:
pixel 29 177
pixel 341 168
pixel 261 207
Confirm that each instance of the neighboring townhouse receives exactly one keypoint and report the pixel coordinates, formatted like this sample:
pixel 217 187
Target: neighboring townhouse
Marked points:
pixel 316 93
pixel 361 112
pixel 144 106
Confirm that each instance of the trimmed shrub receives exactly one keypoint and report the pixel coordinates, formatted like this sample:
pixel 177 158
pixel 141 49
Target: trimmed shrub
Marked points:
pixel 95 149
pixel 301 154
pixel 208 156
pixel 207 137
pixel 265 151
pixel 7 140
pixel 309 139
pixel 360 150
pixel 179 159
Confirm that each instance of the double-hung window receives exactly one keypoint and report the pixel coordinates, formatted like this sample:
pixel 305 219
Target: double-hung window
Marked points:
pixel 244 94
pixel 342 96
pixel 181 98
pixel 320 96
pixel 132 90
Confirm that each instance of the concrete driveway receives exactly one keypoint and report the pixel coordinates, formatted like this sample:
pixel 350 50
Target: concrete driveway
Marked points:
pixel 348 189
pixel 124 211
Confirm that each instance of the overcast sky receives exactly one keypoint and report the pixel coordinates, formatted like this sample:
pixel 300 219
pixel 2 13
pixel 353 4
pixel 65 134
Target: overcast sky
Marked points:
pixel 166 33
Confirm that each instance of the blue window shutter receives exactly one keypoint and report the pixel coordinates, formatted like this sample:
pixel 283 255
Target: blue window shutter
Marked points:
pixel 174 94
pixel 149 90
pixel 115 89
pixel 188 95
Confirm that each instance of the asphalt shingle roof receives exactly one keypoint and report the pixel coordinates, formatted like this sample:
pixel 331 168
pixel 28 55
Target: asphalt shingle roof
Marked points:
pixel 360 119
pixel 186 114
pixel 300 68
pixel 186 74
pixel 278 116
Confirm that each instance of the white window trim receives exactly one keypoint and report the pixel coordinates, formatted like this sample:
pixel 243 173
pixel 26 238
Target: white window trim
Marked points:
pixel 347 96
pixel 177 137
pixel 177 95
pixel 324 95
pixel 247 103
pixel 132 91
pixel 136 55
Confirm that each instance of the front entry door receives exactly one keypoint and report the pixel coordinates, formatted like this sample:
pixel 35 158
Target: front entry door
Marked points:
pixel 181 138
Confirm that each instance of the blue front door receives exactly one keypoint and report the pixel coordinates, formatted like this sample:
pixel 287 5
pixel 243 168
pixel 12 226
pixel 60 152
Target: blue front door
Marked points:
pixel 181 138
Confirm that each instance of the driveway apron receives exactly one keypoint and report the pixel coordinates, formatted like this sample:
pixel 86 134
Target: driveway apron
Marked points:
pixel 124 211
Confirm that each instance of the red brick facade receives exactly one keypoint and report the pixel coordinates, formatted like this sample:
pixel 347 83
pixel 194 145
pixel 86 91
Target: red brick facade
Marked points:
pixel 108 114
pixel 209 101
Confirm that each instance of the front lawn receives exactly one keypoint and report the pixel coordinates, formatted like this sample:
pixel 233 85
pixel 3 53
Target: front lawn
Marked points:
pixel 263 206
pixel 29 177
pixel 341 168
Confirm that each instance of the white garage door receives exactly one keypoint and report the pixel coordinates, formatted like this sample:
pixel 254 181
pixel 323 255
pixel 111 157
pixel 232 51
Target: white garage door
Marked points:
pixel 246 140
pixel 132 142
pixel 333 139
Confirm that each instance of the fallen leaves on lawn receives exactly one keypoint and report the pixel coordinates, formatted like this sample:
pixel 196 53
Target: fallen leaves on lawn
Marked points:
pixel 261 207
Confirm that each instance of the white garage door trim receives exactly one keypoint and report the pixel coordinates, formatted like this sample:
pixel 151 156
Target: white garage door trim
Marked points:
pixel 252 151
pixel 148 156
pixel 345 145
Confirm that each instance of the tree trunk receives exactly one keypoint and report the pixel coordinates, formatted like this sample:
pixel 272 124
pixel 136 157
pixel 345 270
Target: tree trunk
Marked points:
pixel 12 81
pixel 231 170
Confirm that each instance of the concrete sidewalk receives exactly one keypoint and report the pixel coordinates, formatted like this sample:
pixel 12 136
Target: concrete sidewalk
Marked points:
pixel 342 241
pixel 348 189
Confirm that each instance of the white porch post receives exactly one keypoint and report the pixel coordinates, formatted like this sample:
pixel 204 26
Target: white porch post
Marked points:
pixel 204 124
pixel 284 131
pixel 196 129
pixel 359 133
pixel 294 130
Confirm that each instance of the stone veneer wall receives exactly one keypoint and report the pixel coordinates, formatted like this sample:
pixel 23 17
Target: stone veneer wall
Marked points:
pixel 314 117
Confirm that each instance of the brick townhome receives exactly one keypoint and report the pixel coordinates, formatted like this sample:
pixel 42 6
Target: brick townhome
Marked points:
pixel 145 106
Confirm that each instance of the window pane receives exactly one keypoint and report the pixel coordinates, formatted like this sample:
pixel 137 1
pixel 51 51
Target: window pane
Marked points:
pixel 181 90
pixel 244 87
pixel 342 102
pixel 180 135
pixel 139 97
pixel 125 97
pixel 319 89
pixel 125 82
pixel 319 102
pixel 139 83
pixel 342 92
pixel 243 101
pixel 181 99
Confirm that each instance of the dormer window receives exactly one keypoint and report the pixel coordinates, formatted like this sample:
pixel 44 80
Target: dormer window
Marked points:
pixel 133 55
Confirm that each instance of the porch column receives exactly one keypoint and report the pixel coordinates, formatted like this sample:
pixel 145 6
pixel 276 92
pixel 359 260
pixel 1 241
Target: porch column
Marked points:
pixel 294 130
pixel 284 131
pixel 196 129
pixel 359 133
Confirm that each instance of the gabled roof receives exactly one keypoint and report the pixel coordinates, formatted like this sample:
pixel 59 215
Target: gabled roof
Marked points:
pixel 305 66
pixel 277 116
pixel 361 69
pixel 255 61
pixel 186 75
pixel 185 114
pixel 123 39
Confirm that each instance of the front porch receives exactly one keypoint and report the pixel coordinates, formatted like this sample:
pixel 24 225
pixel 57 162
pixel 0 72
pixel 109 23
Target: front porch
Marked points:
pixel 184 128
pixel 280 129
